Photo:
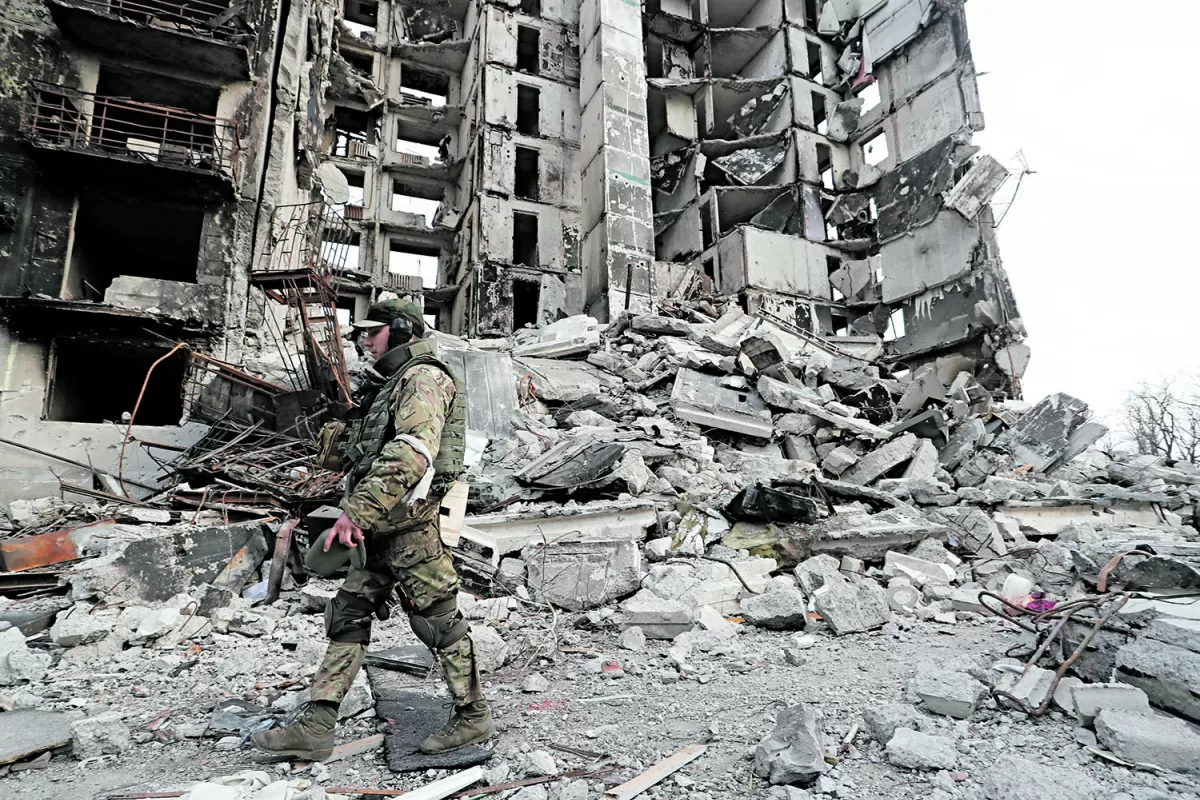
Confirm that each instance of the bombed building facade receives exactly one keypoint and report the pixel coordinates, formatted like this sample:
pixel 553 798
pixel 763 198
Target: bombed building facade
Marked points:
pixel 513 163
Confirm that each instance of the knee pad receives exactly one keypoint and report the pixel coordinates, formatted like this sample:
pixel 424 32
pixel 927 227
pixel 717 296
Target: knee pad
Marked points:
pixel 348 619
pixel 439 626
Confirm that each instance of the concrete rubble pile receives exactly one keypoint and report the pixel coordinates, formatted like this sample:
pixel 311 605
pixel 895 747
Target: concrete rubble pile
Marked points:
pixel 683 478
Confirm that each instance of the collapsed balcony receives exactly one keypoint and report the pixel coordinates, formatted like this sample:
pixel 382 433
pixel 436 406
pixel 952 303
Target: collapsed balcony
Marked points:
pixel 158 149
pixel 204 35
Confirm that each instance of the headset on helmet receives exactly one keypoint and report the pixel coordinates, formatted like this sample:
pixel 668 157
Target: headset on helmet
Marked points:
pixel 400 330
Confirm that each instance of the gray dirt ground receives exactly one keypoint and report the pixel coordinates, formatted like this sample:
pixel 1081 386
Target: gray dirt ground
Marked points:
pixel 728 701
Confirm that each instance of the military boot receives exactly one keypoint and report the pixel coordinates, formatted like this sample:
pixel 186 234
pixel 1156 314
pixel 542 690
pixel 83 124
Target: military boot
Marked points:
pixel 305 734
pixel 469 724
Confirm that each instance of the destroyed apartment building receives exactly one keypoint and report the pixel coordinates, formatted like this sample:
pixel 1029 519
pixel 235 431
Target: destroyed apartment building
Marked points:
pixel 755 505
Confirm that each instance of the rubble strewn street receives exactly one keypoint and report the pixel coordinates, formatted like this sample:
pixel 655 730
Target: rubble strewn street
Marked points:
pixel 678 537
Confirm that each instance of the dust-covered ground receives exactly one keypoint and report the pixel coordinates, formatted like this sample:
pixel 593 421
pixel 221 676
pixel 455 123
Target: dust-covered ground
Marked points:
pixel 659 701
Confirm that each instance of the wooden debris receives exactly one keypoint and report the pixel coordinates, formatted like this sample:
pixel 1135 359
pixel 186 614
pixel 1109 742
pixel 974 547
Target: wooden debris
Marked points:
pixel 637 785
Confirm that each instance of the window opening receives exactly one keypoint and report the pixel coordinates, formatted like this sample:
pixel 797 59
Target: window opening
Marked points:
pixel 361 16
pixel 526 297
pixel 529 109
pixel 350 133
pixel 403 200
pixel 706 225
pixel 529 49
pixel 820 118
pixel 815 70
pixel 875 149
pixel 525 239
pixel 358 193
pixel 423 86
pixel 78 368
pixel 340 249
pixel 825 165
pixel 531 7
pixel 526 183
pixel 406 259
pixel 362 63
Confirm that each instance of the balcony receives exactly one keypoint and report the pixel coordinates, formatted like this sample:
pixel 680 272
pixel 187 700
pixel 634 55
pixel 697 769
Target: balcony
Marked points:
pixel 202 35
pixel 168 152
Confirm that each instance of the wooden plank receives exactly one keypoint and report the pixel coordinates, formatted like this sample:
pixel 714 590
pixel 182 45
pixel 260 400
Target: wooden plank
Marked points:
pixel 447 786
pixel 637 785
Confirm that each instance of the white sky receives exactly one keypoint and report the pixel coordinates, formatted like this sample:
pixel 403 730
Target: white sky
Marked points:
pixel 1097 243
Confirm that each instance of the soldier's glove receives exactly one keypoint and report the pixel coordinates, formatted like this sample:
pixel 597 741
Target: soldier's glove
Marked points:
pixel 329 442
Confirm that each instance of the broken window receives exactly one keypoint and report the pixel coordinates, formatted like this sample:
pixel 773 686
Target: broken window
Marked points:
pixel 526 296
pixel 832 265
pixel 120 236
pixel 404 199
pixel 361 16
pixel 706 225
pixel 525 239
pixel 820 117
pixel 895 326
pixel 529 49
pixel 340 249
pixel 525 184
pixel 351 129
pixel 529 109
pixel 815 69
pixel 97 381
pixel 875 149
pixel 840 324
pixel 531 7
pixel 408 259
pixel 416 141
pixel 357 184
pixel 361 62
pixel 825 165
pixel 870 95
pixel 423 86
pixel 812 13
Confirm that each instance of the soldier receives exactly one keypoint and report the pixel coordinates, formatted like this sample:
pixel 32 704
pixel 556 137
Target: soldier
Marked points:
pixel 400 462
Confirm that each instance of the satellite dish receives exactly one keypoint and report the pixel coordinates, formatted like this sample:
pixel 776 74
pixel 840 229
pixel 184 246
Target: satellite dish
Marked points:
pixel 334 186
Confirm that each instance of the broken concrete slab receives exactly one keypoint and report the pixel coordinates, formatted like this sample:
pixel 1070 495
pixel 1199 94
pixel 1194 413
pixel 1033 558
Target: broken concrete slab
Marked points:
pixel 946 692
pixel 658 617
pixel 963 442
pixel 660 326
pixel 566 337
pixel 1158 739
pixel 103 734
pixel 1169 675
pixel 1090 699
pixel 1183 633
pixel 840 459
pixel 582 575
pixel 976 189
pixel 25 733
pixel 706 401
pixel 924 464
pixel 794 402
pixel 1042 438
pixel 921 751
pixel 883 460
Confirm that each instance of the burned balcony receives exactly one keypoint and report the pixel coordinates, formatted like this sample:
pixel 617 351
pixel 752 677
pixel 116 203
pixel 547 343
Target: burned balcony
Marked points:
pixel 213 36
pixel 144 147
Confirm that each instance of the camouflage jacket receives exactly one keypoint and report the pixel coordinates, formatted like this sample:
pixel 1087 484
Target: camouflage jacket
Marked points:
pixel 421 403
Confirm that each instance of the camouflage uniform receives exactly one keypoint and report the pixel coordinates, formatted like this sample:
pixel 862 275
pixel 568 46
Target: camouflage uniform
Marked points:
pixel 406 553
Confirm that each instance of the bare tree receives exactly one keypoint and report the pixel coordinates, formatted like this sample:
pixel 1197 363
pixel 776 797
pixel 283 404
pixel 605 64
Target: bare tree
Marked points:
pixel 1164 420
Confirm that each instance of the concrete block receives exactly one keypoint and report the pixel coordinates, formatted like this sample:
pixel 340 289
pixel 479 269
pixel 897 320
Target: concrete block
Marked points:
pixel 963 441
pixel 918 569
pixel 953 694
pixel 852 606
pixel 106 734
pixel 781 610
pixel 1169 675
pixel 1183 633
pixel 794 751
pixel 1157 739
pixel 881 721
pixel 633 639
pixel 491 651
pixel 839 460
pixel 879 462
pixel 658 617
pixel 924 464
pixel 921 751
pixel 1031 686
pixel 582 575
pixel 1089 699
pixel 75 626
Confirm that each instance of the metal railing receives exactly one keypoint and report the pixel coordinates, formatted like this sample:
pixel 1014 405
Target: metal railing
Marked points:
pixel 213 20
pixel 62 117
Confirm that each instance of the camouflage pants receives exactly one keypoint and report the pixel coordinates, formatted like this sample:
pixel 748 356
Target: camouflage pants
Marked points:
pixel 413 560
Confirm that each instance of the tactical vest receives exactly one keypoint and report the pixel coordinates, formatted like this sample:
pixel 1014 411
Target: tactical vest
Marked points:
pixel 378 426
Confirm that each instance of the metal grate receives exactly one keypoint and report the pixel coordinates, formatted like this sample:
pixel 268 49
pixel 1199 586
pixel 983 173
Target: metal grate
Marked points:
pixel 58 116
